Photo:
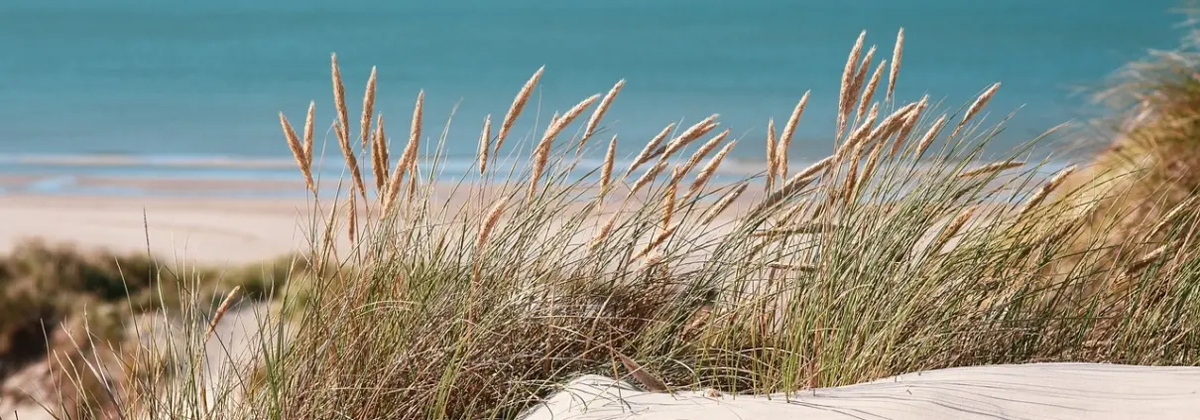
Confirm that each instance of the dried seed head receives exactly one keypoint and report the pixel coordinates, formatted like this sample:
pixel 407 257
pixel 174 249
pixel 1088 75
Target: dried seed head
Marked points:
pixel 845 98
pixel 489 223
pixel 929 136
pixel 669 203
pixel 772 164
pixel 785 139
pixel 650 174
pixel 872 84
pixel 811 228
pixel 689 135
pixel 609 158
pixel 807 268
pixel 598 114
pixel 720 206
pixel 860 78
pixel 518 104
pixel 408 160
pixel 910 122
pixel 297 151
pixel 1169 218
pixel 379 156
pixel 368 109
pixel 1047 189
pixel 308 133
pixel 851 184
pixel 604 231
pixel 975 107
pixel 1147 259
pixel 339 100
pixel 952 229
pixel 221 310
pixel 872 162
pixel 658 241
pixel 352 218
pixel 858 136
pixel 890 124
pixel 897 54
pixel 542 153
pixel 651 149
pixel 793 185
pixel 991 168
pixel 699 155
pixel 485 137
pixel 709 169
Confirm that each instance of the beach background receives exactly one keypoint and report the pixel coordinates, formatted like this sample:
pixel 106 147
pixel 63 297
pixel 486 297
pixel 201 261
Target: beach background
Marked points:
pixel 123 98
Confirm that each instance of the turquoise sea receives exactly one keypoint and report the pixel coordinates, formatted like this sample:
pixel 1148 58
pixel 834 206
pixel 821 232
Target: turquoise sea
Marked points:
pixel 159 82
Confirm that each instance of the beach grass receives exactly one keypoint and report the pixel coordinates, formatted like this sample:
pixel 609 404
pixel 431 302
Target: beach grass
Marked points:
pixel 905 250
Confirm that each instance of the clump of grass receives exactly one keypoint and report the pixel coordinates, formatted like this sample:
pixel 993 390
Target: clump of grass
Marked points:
pixel 65 312
pixel 864 264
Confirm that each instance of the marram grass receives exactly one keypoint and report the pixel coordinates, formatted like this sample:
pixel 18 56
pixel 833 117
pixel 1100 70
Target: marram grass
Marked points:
pixel 902 251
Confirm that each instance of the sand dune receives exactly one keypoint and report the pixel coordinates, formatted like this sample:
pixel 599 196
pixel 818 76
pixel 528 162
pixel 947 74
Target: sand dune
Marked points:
pixel 1031 391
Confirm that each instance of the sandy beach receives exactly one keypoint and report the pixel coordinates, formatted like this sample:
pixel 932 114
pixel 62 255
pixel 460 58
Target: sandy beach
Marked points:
pixel 205 230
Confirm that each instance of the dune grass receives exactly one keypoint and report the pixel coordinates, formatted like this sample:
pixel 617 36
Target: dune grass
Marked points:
pixel 65 311
pixel 902 251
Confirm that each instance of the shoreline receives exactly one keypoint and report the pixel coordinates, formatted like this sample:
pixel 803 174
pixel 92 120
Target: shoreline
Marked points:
pixel 213 220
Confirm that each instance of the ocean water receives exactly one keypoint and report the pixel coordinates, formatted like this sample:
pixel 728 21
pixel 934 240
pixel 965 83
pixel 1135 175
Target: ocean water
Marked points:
pixel 158 81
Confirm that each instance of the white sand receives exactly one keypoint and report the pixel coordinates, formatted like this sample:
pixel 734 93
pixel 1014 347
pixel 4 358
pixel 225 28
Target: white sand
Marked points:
pixel 1033 391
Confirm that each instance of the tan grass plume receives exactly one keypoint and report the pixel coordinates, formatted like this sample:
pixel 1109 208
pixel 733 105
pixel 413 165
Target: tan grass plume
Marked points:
pixel 951 230
pixel 368 109
pixel 669 203
pixel 721 205
pixel 872 85
pixel 793 184
pixel 689 135
pixel 598 114
pixel 845 98
pixel 906 128
pixel 297 151
pixel 699 155
pixel 991 168
pixel 541 155
pixel 379 156
pixel 975 107
pixel 408 159
pixel 485 136
pixel 872 163
pixel 785 138
pixel 1046 189
pixel 339 100
pixel 352 218
pixel 929 136
pixel 860 78
pixel 771 160
pixel 658 241
pixel 308 133
pixel 708 170
pixel 897 54
pixel 515 110
pixel 604 231
pixel 649 152
pixel 489 223
pixel 606 170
